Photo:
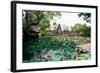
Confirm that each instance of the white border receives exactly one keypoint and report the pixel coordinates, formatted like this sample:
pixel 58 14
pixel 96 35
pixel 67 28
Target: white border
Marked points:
pixel 21 65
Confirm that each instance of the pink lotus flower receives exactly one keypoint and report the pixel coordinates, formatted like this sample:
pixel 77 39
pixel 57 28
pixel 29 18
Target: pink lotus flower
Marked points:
pixel 45 56
pixel 85 47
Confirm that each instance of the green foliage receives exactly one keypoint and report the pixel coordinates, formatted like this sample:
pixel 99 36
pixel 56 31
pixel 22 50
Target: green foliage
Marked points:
pixel 40 18
pixel 58 49
pixel 82 30
pixel 83 40
pixel 86 16
pixel 84 56
pixel 59 46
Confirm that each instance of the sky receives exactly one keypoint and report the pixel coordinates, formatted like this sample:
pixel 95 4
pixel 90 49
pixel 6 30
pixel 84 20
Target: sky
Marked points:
pixel 69 19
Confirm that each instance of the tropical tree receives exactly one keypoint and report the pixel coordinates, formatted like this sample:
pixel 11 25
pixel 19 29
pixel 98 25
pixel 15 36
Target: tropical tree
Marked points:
pixel 82 30
pixel 41 19
pixel 86 16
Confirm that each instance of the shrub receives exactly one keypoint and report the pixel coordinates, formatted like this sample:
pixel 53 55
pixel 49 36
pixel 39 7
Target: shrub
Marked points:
pixel 82 30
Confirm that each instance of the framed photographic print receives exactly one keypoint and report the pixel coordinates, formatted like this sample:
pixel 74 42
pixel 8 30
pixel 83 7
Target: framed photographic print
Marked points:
pixel 47 36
